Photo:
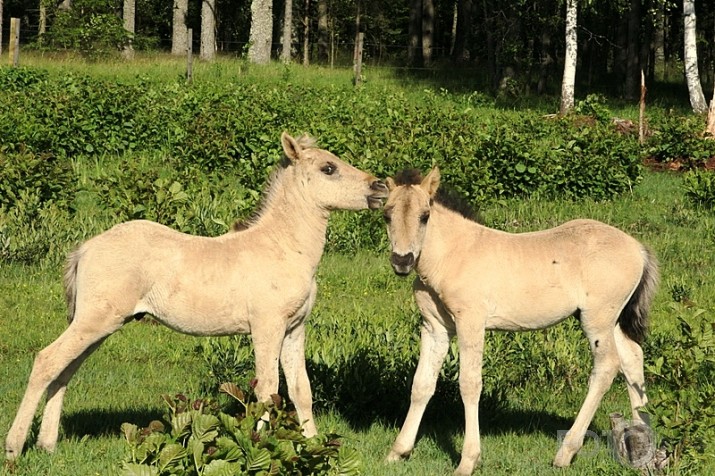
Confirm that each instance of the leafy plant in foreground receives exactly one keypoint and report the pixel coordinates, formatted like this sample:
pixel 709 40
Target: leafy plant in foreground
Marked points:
pixel 198 438
pixel 683 365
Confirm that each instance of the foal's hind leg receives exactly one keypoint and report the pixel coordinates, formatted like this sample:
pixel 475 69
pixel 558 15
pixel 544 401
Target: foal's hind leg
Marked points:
pixel 50 364
pixel 631 356
pixel 47 438
pixel 434 345
pixel 605 367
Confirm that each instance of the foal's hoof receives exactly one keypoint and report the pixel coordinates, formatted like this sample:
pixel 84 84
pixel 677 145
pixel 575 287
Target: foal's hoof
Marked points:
pixel 561 460
pixel 395 456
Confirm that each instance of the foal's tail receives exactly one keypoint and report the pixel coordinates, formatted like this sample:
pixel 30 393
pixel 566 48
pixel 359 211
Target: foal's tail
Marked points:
pixel 634 317
pixel 70 281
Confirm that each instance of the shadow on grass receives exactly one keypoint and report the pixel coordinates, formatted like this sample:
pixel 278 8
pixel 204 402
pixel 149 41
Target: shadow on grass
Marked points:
pixel 370 388
pixel 104 422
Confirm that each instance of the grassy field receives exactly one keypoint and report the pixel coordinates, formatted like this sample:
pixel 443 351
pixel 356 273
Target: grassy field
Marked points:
pixel 124 379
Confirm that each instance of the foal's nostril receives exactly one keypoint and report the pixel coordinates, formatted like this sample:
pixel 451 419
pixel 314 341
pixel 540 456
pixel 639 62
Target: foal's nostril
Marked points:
pixel 378 186
pixel 407 260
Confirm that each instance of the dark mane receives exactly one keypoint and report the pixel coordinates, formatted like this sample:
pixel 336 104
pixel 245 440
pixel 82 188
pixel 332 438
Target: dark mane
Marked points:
pixel 446 196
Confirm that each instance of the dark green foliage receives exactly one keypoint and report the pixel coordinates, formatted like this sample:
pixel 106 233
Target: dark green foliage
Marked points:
pixel 91 27
pixel 678 139
pixel 682 369
pixel 212 147
pixel 45 176
pixel 700 187
pixel 198 437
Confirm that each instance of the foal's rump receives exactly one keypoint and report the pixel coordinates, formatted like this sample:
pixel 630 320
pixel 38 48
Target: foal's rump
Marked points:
pixel 585 267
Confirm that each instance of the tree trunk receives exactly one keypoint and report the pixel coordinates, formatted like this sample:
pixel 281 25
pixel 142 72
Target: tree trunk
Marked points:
pixel 306 34
pixel 259 51
pixel 43 21
pixel 427 30
pixel 461 35
pixel 659 42
pixel 0 27
pixel 695 90
pixel 129 22
pixel 568 83
pixel 491 48
pixel 178 35
pixel 711 116
pixel 414 32
pixel 287 40
pixel 207 50
pixel 323 31
pixel 632 59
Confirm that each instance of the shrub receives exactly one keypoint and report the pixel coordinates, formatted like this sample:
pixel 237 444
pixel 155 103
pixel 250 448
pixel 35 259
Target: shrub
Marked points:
pixel 678 138
pixel 199 438
pixel 700 187
pixel 681 366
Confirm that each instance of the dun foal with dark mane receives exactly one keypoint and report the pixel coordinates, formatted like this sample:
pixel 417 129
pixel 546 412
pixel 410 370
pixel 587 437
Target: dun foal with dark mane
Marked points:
pixel 472 278
pixel 258 280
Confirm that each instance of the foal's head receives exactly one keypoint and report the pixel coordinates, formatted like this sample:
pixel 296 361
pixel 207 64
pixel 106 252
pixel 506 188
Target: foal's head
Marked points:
pixel 328 181
pixel 407 212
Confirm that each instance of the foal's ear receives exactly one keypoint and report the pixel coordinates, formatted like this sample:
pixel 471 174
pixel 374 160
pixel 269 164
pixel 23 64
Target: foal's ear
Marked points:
pixel 291 148
pixel 431 182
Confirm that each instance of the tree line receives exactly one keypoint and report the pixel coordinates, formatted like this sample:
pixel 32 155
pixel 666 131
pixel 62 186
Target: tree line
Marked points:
pixel 518 43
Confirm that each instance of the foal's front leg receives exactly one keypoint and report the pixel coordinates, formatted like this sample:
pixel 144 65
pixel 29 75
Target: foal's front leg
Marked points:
pixel 293 362
pixel 434 344
pixel 470 335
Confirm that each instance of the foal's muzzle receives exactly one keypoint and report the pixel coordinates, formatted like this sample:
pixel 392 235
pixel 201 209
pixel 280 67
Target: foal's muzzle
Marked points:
pixel 402 264
pixel 374 200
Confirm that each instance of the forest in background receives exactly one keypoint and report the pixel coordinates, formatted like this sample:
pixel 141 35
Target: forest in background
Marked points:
pixel 517 45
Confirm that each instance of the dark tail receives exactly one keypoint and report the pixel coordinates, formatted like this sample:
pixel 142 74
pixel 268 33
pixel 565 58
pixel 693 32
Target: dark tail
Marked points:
pixel 634 317
pixel 70 281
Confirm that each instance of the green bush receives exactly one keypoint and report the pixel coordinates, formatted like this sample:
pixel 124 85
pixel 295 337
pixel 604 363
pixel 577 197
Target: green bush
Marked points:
pixel 678 138
pixel 198 438
pixel 681 367
pixel 700 187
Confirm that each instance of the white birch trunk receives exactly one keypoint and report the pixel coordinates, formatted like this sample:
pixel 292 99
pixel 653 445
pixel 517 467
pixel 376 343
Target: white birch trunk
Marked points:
pixel 178 34
pixel 207 51
pixel 569 80
pixel 692 76
pixel 259 50
pixel 427 30
pixel 129 25
pixel 287 40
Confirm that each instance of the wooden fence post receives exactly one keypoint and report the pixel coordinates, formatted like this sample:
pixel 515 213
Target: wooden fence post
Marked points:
pixel 358 59
pixel 14 49
pixel 189 55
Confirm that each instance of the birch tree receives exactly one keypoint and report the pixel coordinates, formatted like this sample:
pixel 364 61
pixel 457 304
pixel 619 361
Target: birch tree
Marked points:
pixel 287 40
pixel 323 52
pixel 179 35
pixel 259 50
pixel 208 30
pixel 414 30
pixel 692 76
pixel 427 30
pixel 569 80
pixel 129 25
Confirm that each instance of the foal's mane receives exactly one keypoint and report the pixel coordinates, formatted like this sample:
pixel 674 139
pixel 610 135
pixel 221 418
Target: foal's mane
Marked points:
pixel 446 196
pixel 272 184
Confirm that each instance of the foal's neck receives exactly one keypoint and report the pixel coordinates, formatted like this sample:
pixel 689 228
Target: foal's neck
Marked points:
pixel 446 232
pixel 292 219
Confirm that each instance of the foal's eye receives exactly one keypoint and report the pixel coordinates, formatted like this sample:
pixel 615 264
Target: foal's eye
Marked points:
pixel 424 218
pixel 329 168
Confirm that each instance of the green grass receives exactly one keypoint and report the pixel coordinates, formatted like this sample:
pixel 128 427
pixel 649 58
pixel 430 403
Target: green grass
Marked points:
pixel 124 379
